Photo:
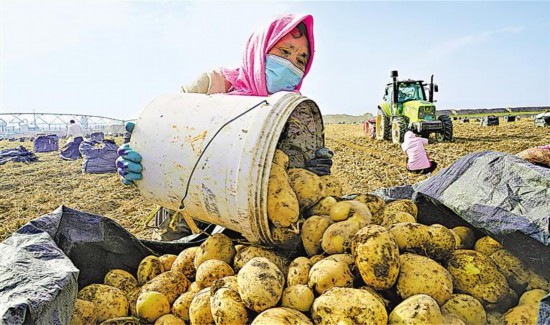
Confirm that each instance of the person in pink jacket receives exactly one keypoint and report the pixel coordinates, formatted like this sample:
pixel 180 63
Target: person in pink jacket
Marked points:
pixel 417 158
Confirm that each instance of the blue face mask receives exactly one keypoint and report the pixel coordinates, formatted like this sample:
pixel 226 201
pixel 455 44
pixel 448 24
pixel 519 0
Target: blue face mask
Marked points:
pixel 281 74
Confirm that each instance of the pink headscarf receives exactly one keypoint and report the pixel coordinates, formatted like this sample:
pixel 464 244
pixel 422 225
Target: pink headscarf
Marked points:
pixel 249 79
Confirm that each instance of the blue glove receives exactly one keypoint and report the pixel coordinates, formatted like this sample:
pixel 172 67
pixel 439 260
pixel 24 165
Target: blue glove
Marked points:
pixel 322 162
pixel 128 162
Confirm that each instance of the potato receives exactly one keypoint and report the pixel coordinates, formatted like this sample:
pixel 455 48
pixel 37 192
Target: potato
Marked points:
pixel 184 263
pixel 121 321
pixel 376 256
pixel 338 236
pixel 151 305
pixel 467 237
pixel 452 319
pixel 323 206
pixel 171 284
pixel 344 210
pixel 346 258
pixel 422 275
pixel 397 217
pixel 435 241
pixel 475 274
pixel 458 240
pixel 148 268
pixel 246 253
pixel 316 258
pixel 307 185
pixel 532 297
pixel 199 309
pixel 522 314
pixel 513 269
pixel 285 238
pixel 169 319
pixel 261 284
pixel 83 313
pixel 180 307
pixel 229 282
pixel 538 282
pixel 212 270
pixel 312 233
pixel 110 302
pixel 373 202
pixel 328 273
pixel 402 205
pixel 487 245
pixel 282 203
pixel 348 306
pixel 167 260
pixel 121 279
pixel 465 307
pixel 194 287
pixel 281 315
pixel 332 185
pixel 377 295
pixel 298 271
pixel 417 309
pixel 216 247
pixel 509 300
pixel 299 297
pixel 227 307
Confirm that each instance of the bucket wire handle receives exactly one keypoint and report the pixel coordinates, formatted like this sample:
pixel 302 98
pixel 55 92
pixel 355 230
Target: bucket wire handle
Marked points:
pixel 190 222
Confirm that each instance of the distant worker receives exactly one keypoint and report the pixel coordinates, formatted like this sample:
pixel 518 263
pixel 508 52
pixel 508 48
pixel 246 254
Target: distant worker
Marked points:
pixel 74 130
pixel 417 158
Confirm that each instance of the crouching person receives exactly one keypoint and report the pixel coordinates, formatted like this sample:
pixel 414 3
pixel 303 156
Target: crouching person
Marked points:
pixel 417 158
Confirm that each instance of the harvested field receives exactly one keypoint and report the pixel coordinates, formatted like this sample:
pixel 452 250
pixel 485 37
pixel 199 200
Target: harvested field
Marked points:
pixel 28 191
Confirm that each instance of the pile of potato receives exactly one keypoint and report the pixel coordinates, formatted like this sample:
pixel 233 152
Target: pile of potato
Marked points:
pixel 354 260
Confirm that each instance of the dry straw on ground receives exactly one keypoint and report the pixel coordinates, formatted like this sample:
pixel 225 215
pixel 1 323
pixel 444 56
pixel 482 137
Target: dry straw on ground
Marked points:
pixel 28 191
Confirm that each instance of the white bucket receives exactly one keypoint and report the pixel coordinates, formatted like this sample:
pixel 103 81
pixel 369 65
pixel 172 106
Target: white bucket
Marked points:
pixel 227 186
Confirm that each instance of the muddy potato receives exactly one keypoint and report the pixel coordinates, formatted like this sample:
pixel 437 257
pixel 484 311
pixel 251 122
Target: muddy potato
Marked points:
pixel 121 279
pixel 169 319
pixel 441 242
pixel 148 268
pixel 458 240
pixel 452 319
pixel 212 270
pixel 151 305
pixel 373 202
pixel 312 233
pixel 422 275
pixel 282 203
pixel 402 205
pixel 229 282
pixel 180 307
pixel 121 321
pixel 532 297
pixel 167 260
pixel 307 185
pixel 397 217
pixel 346 258
pixel 216 247
pixel 110 302
pixel 332 185
pixel 227 307
pixel 260 283
pixel 509 300
pixel 467 308
pixel 538 282
pixel 418 309
pixel 316 258
pixel 376 256
pixel 487 245
pixel 435 241
pixel 322 208
pixel 83 313
pixel 246 253
pixel 475 274
pixel 199 309
pixel 170 283
pixel 281 315
pixel 298 271
pixel 522 314
pixel 328 273
pixel 338 236
pixel 184 263
pixel 299 297
pixel 345 210
pixel 467 237
pixel 348 306
pixel 513 269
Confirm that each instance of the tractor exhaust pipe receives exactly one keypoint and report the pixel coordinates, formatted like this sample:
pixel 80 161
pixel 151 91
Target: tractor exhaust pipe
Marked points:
pixel 432 89
pixel 395 90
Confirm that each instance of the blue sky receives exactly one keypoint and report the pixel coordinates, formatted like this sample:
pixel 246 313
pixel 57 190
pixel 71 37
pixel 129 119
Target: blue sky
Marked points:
pixel 111 58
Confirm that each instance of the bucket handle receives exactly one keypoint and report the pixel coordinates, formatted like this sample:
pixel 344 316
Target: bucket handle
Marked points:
pixel 190 222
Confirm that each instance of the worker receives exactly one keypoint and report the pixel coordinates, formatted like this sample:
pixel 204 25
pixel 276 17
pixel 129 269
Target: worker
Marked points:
pixel 74 130
pixel 276 58
pixel 417 158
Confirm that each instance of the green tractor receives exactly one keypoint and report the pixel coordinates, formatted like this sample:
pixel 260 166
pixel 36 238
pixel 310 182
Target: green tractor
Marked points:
pixel 406 107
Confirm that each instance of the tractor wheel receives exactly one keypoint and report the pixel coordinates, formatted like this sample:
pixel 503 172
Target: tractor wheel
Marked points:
pixel 398 129
pixel 447 134
pixel 383 127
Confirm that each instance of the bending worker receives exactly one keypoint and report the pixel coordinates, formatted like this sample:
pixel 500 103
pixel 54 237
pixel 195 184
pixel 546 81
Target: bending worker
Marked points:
pixel 276 58
pixel 417 158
